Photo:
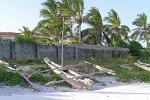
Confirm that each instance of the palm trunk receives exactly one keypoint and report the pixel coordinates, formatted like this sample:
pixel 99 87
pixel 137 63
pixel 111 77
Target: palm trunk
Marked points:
pixel 71 33
pixel 62 45
pixel 79 32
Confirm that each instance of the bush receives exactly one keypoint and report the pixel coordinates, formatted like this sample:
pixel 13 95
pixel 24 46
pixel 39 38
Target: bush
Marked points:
pixel 55 77
pixel 23 39
pixel 135 48
pixel 145 55
pixel 10 78
pixel 38 78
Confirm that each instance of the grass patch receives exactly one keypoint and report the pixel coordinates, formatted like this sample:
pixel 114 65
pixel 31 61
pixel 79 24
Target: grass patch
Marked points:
pixel 26 62
pixel 124 75
pixel 38 78
pixel 10 78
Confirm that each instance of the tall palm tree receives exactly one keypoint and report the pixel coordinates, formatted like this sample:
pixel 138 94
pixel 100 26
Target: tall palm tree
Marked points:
pixel 72 10
pixel 118 32
pixel 142 30
pixel 79 9
pixel 53 14
pixel 51 24
pixel 68 11
pixel 96 34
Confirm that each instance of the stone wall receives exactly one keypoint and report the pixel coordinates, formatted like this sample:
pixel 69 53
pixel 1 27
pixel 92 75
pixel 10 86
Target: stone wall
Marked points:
pixel 21 51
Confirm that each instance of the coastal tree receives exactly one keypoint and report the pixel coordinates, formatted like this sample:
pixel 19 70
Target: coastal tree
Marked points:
pixel 97 33
pixel 119 33
pixel 142 30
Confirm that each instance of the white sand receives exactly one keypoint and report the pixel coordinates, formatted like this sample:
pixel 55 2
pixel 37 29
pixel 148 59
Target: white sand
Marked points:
pixel 112 90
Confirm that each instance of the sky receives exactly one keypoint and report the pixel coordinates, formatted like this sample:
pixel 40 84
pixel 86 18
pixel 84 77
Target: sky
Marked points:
pixel 17 13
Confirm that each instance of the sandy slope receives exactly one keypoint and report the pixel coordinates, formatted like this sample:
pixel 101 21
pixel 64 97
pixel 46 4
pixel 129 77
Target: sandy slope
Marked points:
pixel 139 91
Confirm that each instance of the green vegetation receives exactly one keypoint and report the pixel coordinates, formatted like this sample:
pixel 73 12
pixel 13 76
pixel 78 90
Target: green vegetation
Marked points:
pixel 10 78
pixel 67 16
pixel 26 62
pixel 125 75
pixel 26 36
pixel 145 56
pixel 135 48
pixel 38 78
pixel 142 30
pixel 132 73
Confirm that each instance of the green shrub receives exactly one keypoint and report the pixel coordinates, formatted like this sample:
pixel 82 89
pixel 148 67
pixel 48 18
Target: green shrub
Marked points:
pixel 22 39
pixel 15 79
pixel 145 56
pixel 27 61
pixel 38 78
pixel 135 48
pixel 10 78
pixel 55 77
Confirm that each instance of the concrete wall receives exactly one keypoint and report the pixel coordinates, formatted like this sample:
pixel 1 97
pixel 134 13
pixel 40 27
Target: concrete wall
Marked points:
pixel 21 51
pixel 24 51
pixel 47 51
pixel 5 51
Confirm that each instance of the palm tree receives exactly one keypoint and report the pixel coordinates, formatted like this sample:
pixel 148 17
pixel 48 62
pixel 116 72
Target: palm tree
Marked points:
pixel 79 9
pixel 53 14
pixel 26 32
pixel 142 30
pixel 67 11
pixel 51 24
pixel 96 34
pixel 73 9
pixel 118 32
pixel 26 36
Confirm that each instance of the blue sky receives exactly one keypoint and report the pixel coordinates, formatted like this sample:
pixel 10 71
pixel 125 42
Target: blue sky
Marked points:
pixel 17 13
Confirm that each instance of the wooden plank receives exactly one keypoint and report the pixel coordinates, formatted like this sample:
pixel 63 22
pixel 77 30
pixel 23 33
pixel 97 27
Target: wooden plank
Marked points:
pixel 69 76
pixel 148 65
pixel 7 65
pixel 142 66
pixel 27 80
pixel 33 73
pixel 101 68
pixel 80 76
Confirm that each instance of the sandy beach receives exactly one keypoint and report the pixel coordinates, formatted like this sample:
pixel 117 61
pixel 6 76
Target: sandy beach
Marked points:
pixel 111 91
pixel 139 91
